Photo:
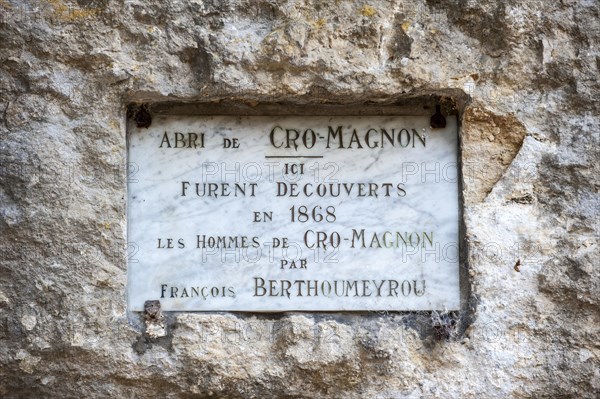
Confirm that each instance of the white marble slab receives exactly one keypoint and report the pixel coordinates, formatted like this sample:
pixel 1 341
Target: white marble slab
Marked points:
pixel 382 274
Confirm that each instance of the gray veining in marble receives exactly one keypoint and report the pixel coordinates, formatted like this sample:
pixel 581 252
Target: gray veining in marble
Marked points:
pixel 378 275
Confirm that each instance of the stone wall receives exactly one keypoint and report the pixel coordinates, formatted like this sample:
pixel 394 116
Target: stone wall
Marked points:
pixel 523 77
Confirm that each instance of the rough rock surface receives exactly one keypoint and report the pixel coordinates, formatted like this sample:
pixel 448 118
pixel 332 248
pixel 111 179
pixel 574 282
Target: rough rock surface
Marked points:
pixel 526 77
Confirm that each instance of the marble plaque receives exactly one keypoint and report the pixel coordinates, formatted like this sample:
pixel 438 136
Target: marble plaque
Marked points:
pixel 283 213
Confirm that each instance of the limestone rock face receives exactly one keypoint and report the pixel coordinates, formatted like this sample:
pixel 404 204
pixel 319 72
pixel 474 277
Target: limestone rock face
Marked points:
pixel 522 75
